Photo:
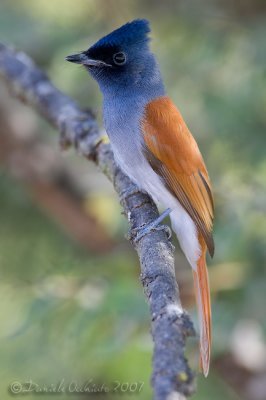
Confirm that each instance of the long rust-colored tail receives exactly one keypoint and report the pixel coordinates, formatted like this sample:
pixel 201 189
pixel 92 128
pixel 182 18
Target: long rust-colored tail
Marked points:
pixel 202 291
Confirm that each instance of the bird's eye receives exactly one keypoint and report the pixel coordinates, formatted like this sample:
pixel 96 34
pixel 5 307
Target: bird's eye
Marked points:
pixel 119 58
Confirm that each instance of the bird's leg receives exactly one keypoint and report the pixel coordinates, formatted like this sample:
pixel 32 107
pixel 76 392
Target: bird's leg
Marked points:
pixel 141 232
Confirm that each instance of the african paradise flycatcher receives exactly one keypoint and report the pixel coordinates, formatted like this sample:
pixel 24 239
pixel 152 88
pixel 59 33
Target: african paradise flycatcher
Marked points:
pixel 154 147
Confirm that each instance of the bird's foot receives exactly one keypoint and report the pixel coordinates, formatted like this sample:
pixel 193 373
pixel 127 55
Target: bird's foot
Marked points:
pixel 139 233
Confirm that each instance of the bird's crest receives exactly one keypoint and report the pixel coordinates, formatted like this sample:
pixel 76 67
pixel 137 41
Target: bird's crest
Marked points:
pixel 132 32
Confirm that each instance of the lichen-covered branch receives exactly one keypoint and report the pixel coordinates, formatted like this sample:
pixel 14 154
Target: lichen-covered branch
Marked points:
pixel 172 378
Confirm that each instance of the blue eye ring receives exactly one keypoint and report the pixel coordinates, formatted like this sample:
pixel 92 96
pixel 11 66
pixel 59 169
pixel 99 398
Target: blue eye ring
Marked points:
pixel 120 58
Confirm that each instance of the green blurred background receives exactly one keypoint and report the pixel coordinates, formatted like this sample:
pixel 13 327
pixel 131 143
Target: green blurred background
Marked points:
pixel 71 303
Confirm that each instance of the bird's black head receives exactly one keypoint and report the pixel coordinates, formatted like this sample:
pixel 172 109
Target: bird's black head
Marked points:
pixel 122 58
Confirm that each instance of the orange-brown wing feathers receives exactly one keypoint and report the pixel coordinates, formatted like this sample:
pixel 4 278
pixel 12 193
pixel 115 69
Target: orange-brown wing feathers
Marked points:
pixel 174 154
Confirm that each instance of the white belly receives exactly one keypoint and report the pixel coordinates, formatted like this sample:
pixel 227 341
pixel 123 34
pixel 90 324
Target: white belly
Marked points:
pixel 146 179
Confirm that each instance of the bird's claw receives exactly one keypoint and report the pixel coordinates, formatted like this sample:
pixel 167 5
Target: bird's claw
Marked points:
pixel 152 226
pixel 166 229
pixel 136 234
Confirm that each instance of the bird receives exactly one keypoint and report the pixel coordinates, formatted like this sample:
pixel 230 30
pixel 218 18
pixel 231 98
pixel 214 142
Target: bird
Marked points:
pixel 154 147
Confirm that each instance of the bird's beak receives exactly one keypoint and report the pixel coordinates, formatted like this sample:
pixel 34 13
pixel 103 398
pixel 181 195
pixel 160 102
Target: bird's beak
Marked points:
pixel 82 58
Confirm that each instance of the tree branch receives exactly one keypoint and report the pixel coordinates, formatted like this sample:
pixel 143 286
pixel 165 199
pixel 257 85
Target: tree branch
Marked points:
pixel 172 377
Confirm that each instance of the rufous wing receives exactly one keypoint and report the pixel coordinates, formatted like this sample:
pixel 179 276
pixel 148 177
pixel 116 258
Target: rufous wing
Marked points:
pixel 173 153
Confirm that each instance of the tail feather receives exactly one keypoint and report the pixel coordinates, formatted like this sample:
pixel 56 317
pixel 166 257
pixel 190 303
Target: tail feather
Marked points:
pixel 202 290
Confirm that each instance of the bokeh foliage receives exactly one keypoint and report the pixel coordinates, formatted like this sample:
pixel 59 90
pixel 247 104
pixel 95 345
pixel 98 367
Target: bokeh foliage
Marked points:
pixel 73 315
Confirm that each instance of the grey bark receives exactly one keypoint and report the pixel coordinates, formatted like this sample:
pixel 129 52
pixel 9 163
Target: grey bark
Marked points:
pixel 172 378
